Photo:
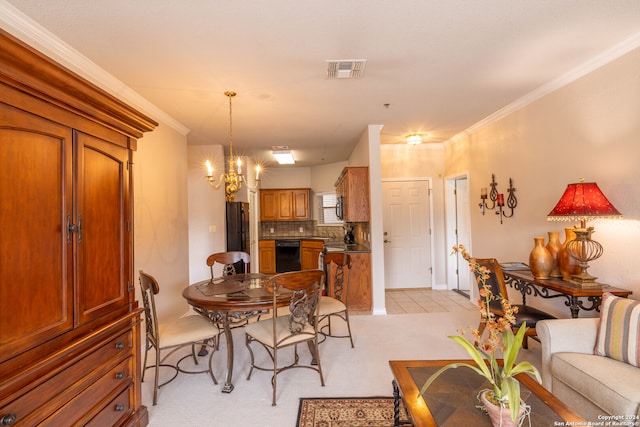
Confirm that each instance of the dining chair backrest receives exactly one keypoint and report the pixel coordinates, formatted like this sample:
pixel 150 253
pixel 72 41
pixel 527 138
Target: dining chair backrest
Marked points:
pixel 305 287
pixel 149 288
pixel 494 281
pixel 228 261
pixel 341 274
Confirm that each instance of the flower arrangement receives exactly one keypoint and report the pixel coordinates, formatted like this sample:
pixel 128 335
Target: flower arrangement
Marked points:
pixel 483 351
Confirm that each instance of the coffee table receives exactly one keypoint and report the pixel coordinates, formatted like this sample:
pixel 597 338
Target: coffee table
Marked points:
pixel 452 399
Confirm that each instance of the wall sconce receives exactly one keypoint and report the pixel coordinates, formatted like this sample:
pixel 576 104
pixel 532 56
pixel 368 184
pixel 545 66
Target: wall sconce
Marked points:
pixel 493 195
pixel 512 202
pixel 497 199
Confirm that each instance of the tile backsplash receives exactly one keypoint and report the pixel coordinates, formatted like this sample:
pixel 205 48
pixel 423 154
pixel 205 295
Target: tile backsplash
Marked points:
pixel 310 229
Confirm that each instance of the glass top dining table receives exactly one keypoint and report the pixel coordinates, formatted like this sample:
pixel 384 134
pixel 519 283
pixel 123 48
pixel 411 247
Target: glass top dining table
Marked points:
pixel 233 301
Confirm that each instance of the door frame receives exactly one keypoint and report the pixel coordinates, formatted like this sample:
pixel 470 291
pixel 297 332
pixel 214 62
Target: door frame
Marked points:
pixel 450 229
pixel 429 182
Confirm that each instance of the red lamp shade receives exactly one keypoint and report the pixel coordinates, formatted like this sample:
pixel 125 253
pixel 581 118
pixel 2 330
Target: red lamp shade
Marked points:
pixel 581 201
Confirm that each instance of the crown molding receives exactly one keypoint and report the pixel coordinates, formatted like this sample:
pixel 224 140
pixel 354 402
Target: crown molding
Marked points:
pixel 28 31
pixel 593 64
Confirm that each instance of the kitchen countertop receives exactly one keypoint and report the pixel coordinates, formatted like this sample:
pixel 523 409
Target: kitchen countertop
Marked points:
pixel 341 247
pixel 335 244
pixel 275 237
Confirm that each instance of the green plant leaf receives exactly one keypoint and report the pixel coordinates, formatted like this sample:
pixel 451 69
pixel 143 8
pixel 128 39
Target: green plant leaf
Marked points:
pixel 526 368
pixel 512 347
pixel 511 389
pixel 435 375
pixel 476 355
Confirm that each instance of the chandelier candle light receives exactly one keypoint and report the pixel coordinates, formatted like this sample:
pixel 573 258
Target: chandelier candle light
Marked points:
pixel 234 178
pixel 583 201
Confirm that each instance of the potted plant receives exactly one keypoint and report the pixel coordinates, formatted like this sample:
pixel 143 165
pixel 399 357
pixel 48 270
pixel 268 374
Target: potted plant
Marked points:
pixel 505 391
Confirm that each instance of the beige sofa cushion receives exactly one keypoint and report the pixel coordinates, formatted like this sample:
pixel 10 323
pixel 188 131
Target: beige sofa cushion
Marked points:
pixel 607 383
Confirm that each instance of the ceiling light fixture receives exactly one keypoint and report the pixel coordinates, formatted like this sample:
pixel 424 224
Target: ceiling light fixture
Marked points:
pixel 283 155
pixel 234 178
pixel 345 68
pixel 414 139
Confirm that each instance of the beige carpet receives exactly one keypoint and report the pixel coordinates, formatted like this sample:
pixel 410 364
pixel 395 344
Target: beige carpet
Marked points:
pixel 347 412
pixel 194 401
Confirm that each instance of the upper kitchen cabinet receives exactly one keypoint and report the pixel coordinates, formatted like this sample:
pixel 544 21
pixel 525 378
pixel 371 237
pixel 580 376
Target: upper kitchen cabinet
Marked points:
pixel 352 190
pixel 290 204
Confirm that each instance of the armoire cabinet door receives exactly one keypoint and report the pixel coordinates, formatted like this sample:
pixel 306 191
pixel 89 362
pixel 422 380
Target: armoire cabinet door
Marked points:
pixel 103 212
pixel 36 265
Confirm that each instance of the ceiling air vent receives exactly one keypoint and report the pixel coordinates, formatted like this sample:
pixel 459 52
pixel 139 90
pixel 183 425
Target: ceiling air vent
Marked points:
pixel 346 68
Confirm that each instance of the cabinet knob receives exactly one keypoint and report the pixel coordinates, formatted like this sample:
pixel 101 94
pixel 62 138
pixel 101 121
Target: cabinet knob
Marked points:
pixel 119 407
pixel 8 420
pixel 119 375
pixel 119 345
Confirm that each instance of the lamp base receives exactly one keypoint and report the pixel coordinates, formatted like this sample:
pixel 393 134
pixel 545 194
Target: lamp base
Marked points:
pixel 585 281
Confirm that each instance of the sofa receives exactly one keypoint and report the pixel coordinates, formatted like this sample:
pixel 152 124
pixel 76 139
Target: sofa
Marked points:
pixel 595 386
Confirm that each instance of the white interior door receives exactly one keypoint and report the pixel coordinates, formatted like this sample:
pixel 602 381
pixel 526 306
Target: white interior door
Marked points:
pixel 407 224
pixel 463 232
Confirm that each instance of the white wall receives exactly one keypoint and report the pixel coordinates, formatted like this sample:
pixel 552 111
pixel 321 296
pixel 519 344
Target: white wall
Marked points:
pixel 286 177
pixel 161 240
pixel 324 177
pixel 587 129
pixel 207 210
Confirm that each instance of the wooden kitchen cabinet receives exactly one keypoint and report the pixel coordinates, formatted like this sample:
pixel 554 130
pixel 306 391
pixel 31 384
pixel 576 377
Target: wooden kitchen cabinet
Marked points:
pixel 309 253
pixel 285 204
pixel 70 326
pixel 360 292
pixel 267 256
pixel 353 187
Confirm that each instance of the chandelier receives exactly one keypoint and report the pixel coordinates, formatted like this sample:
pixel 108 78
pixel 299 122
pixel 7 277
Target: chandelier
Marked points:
pixel 233 178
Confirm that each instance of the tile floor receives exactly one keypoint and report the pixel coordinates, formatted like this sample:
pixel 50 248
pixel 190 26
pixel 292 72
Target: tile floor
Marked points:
pixel 425 300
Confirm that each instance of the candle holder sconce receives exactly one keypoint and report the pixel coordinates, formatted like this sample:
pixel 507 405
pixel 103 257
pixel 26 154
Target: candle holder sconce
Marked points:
pixel 512 202
pixel 497 199
pixel 493 195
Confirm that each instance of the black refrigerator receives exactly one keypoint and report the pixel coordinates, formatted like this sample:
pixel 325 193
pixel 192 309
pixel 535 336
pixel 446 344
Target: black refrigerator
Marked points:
pixel 238 238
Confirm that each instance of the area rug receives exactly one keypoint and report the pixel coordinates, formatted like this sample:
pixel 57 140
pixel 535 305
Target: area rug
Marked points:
pixel 347 412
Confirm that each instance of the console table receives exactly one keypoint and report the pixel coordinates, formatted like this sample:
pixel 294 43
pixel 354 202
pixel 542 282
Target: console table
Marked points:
pixel 524 282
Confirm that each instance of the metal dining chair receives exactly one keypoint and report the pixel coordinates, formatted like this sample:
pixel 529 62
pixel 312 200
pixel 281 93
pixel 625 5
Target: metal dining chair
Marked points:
pixel 299 325
pixel 335 304
pixel 229 261
pixel 525 313
pixel 172 336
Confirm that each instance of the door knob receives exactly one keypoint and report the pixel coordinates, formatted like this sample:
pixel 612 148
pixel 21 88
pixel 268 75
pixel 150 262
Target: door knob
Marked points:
pixel 387 241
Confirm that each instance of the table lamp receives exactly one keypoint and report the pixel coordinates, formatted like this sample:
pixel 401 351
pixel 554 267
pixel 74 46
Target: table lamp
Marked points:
pixel 583 201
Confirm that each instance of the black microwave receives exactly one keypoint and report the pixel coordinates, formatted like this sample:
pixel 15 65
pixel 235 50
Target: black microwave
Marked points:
pixel 340 208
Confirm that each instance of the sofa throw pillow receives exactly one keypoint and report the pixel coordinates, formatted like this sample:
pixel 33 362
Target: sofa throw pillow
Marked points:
pixel 619 329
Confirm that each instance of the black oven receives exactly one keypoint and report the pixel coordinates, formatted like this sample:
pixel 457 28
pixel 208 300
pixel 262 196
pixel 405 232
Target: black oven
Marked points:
pixel 287 255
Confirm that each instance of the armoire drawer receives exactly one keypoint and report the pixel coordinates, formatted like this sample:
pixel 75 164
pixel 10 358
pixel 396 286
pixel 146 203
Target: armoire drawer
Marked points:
pixel 37 404
pixel 117 408
pixel 79 410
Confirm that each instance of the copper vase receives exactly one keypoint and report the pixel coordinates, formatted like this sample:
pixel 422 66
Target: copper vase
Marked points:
pixel 553 247
pixel 568 264
pixel 540 259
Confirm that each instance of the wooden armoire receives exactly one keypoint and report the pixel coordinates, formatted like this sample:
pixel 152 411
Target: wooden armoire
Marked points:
pixel 69 322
